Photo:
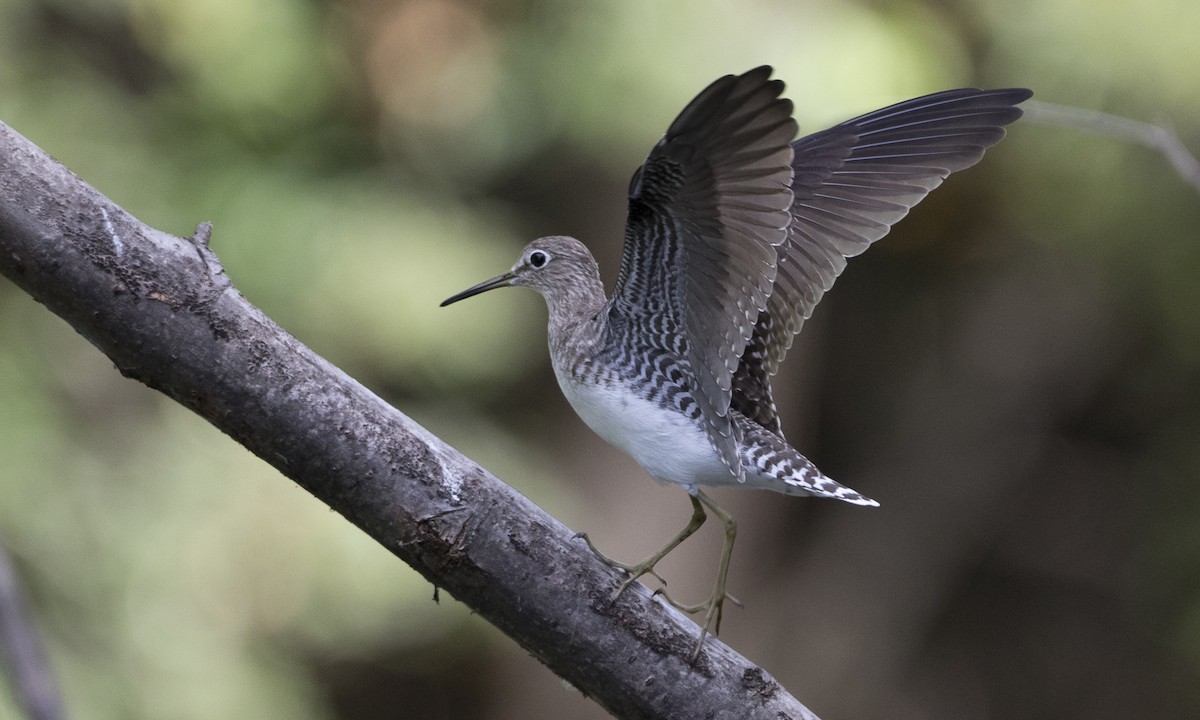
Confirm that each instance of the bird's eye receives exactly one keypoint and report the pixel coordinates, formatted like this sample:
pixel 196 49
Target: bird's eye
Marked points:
pixel 537 258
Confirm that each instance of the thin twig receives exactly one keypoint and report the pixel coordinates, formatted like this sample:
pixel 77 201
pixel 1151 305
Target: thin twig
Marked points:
pixel 22 652
pixel 1157 137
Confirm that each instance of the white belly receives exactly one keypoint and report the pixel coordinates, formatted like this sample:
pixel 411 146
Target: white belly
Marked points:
pixel 667 444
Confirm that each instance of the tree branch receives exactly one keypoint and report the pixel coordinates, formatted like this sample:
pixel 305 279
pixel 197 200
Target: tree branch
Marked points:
pixel 163 310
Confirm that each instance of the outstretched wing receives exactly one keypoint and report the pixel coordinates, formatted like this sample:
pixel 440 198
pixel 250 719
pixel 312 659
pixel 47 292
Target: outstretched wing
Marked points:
pixel 706 213
pixel 851 183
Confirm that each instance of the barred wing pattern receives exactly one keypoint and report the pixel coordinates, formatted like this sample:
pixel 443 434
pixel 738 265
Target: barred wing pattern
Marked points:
pixel 851 183
pixel 706 213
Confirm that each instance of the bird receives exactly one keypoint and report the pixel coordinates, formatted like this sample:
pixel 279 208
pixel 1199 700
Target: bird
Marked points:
pixel 735 230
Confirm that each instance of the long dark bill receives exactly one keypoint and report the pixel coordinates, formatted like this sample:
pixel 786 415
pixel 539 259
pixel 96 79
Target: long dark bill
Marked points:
pixel 497 282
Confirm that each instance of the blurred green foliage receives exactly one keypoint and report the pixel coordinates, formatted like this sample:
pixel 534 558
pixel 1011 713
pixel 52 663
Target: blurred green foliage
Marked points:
pixel 363 159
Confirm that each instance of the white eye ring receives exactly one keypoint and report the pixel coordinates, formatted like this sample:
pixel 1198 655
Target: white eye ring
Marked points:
pixel 538 259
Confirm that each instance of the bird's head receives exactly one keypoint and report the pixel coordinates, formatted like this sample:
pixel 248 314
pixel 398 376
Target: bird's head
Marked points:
pixel 558 267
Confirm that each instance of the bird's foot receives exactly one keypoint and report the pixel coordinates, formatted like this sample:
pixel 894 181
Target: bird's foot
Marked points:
pixel 712 610
pixel 635 570
pixel 693 609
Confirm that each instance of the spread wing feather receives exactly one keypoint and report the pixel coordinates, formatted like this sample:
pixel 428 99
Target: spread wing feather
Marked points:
pixel 707 211
pixel 850 184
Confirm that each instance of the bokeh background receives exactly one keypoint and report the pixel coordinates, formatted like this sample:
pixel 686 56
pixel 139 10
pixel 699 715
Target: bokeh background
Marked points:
pixel 1014 372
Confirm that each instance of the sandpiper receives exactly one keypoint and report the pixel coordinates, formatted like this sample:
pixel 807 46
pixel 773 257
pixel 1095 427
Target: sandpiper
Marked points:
pixel 734 233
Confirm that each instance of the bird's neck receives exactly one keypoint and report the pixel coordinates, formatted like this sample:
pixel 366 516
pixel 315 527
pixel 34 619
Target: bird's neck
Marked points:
pixel 576 312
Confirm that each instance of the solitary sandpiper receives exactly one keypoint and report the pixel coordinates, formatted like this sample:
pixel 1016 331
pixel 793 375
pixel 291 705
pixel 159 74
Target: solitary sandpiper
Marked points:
pixel 734 233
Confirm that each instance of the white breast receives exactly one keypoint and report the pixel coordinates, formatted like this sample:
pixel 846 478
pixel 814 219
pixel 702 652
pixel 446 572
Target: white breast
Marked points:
pixel 669 445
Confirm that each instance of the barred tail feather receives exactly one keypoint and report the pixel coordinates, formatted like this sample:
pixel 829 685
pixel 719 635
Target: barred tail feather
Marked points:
pixel 772 464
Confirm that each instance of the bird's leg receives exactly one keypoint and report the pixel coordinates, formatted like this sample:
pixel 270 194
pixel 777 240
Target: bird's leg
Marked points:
pixel 646 567
pixel 712 608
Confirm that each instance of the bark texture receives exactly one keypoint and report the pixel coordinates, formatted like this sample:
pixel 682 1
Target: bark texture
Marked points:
pixel 164 311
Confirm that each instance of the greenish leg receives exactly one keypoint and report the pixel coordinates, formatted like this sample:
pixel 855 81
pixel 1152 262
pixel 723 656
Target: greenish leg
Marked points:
pixel 646 567
pixel 716 603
